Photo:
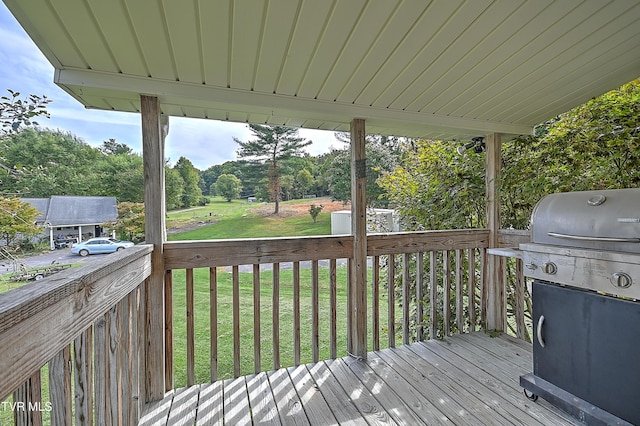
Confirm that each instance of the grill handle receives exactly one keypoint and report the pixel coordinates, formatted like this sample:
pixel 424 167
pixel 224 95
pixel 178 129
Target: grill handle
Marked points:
pixel 583 238
pixel 539 330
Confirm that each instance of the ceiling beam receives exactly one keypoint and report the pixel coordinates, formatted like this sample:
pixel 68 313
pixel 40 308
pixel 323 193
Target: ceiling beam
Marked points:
pixel 210 97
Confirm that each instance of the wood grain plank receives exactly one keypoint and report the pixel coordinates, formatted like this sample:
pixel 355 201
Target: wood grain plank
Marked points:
pixel 113 381
pixel 213 323
pixel 493 384
pixel 183 406
pixel 257 365
pixel 412 242
pixel 210 405
pixel 473 392
pixel 459 288
pixel 339 401
pixel 237 409
pixel 153 156
pixel 60 383
pixel 471 287
pixel 406 305
pixel 433 295
pixel 275 316
pixel 198 254
pixel 135 358
pixel 190 328
pixel 333 309
pixel 313 403
pixel 124 359
pixel 296 313
pixel 375 304
pixel 156 413
pixel 289 406
pixel 420 296
pixel 82 347
pixel 391 304
pixel 446 293
pixel 235 277
pixel 168 330
pixel 263 407
pixel 315 312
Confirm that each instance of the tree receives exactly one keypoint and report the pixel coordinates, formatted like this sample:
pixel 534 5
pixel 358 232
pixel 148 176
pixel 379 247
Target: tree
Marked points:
pixel 272 145
pixel 112 147
pixel 314 211
pixel 228 186
pixel 173 188
pixel 16 112
pixel 303 182
pixel 17 218
pixel 130 221
pixel 192 194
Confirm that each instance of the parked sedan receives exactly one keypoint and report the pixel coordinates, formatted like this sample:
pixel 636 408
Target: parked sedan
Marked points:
pixel 100 245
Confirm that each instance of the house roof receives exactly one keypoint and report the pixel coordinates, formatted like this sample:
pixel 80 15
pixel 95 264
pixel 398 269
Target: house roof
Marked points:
pixel 437 69
pixel 65 210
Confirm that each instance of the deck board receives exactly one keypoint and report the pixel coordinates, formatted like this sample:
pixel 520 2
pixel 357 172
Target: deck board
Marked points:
pixel 462 380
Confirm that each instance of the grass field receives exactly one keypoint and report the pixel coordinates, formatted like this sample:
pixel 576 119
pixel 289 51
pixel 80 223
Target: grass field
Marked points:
pixel 238 219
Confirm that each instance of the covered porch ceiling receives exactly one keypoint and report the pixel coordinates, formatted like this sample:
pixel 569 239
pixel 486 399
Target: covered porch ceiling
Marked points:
pixel 441 69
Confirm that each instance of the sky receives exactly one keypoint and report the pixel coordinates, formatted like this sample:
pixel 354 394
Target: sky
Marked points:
pixel 23 68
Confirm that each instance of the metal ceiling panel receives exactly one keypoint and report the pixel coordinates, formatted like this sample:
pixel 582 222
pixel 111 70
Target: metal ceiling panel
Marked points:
pixel 440 68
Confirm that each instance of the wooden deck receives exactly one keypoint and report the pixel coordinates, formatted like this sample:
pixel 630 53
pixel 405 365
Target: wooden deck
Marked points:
pixel 467 379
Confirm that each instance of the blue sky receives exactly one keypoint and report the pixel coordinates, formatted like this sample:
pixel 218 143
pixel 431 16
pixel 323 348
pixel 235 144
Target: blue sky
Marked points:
pixel 24 69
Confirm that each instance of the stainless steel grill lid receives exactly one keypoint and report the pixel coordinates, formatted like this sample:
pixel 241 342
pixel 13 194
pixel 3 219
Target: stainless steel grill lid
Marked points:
pixel 601 220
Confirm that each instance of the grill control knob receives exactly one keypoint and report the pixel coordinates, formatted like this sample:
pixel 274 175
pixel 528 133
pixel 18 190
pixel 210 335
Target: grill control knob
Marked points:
pixel 549 268
pixel 621 280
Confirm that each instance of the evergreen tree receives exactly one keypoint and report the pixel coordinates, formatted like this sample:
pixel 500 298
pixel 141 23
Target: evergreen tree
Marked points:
pixel 272 145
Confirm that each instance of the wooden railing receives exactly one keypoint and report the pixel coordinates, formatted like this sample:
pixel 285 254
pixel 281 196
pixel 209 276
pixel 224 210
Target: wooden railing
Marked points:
pixel 72 348
pixel 453 260
pixel 519 308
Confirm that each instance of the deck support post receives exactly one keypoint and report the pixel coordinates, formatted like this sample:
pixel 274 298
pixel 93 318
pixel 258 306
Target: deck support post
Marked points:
pixel 154 129
pixel 357 341
pixel 495 282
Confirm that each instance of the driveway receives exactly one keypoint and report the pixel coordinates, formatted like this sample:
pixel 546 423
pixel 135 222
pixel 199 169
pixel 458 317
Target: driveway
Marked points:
pixel 56 256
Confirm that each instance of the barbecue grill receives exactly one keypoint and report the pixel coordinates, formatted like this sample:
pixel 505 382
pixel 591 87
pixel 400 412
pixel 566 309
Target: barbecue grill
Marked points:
pixel 584 258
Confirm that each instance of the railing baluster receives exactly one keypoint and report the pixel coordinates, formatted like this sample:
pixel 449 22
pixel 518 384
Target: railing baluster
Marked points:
pixel 191 379
pixel 483 287
pixel 135 365
pixel 30 394
pixel 315 314
pixel 391 318
pixel 419 296
pixel 236 320
pixel 83 387
pixel 333 310
pixel 446 295
pixel 213 323
pixel 472 289
pixel 125 359
pixel 375 303
pixel 113 338
pixel 296 313
pixel 459 292
pixel 142 348
pixel 168 330
pixel 405 298
pixel 433 295
pixel 276 316
pixel 60 382
pixel 257 365
pixel 519 295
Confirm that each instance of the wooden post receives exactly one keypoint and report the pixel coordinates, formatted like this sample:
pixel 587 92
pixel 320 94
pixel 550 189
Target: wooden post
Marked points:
pixel 154 201
pixel 358 282
pixel 495 294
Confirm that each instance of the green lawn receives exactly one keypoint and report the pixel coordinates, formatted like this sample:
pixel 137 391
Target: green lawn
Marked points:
pixel 238 219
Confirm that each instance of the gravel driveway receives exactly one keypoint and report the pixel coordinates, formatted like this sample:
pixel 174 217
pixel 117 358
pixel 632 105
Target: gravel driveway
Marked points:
pixel 44 259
